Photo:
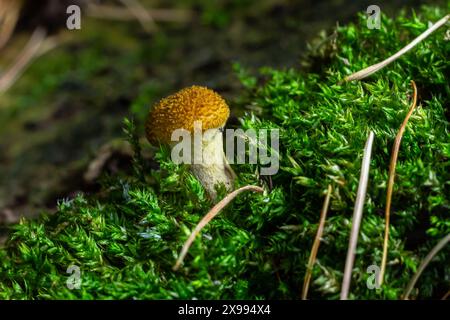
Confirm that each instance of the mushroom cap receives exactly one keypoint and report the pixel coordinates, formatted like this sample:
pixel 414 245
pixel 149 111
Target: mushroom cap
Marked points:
pixel 180 110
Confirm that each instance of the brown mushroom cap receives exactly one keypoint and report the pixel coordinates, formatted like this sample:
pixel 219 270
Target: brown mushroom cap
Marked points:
pixel 181 109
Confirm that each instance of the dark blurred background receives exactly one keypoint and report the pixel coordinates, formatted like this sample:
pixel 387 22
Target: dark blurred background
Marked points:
pixel 61 117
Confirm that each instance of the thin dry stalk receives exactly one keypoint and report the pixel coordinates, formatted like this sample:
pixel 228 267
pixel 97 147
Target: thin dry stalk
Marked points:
pixel 446 295
pixel 117 13
pixel 208 217
pixel 141 14
pixel 316 244
pixel 9 15
pixel 30 52
pixel 393 164
pixel 357 216
pixel 376 67
pixel 438 247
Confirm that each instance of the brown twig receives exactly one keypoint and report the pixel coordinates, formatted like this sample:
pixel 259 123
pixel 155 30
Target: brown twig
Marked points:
pixel 117 13
pixel 208 217
pixel 316 244
pixel 393 164
pixel 35 47
pixel 378 66
pixel 141 14
pixel 424 264
pixel 357 216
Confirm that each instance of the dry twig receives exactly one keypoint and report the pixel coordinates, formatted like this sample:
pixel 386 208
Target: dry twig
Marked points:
pixel 36 46
pixel 141 14
pixel 316 244
pixel 424 264
pixel 118 13
pixel 357 216
pixel 378 66
pixel 446 295
pixel 9 15
pixel 208 217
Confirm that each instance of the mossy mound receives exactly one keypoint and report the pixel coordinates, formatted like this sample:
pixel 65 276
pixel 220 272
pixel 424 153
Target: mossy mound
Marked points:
pixel 126 238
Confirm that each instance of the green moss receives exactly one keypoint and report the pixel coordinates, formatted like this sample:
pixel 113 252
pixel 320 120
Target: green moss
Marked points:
pixel 126 238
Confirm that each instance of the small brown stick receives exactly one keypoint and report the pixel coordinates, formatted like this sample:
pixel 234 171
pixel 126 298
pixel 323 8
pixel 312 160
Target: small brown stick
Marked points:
pixel 378 66
pixel 446 295
pixel 30 52
pixel 208 217
pixel 9 15
pixel 424 264
pixel 117 13
pixel 357 216
pixel 393 164
pixel 141 14
pixel 316 244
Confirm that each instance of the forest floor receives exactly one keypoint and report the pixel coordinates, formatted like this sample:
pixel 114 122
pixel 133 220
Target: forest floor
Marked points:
pixel 68 106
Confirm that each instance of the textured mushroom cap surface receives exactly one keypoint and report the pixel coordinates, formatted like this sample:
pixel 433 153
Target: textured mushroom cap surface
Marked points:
pixel 180 110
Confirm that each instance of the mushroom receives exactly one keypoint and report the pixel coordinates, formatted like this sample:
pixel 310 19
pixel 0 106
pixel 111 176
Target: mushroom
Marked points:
pixel 184 110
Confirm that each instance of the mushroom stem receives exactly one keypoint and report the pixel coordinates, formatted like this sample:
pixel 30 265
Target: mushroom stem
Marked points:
pixel 210 165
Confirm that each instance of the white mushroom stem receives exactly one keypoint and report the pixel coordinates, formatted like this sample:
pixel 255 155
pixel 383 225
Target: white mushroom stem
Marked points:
pixel 210 165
